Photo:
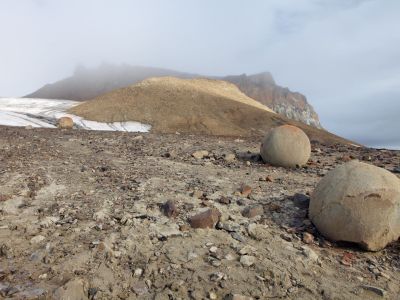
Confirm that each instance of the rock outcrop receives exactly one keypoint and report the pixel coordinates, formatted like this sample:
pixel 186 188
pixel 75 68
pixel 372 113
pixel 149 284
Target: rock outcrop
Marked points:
pixel 262 87
pixel 359 203
pixel 86 84
pixel 286 146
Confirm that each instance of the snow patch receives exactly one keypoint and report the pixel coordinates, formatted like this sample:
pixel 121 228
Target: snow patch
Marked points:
pixel 45 113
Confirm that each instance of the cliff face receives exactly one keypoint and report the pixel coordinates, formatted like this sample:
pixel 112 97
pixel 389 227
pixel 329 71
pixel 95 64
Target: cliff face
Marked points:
pixel 89 83
pixel 262 87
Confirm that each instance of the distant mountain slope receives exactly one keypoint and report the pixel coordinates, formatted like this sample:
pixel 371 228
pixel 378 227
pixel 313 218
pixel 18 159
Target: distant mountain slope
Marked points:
pixel 89 83
pixel 263 88
pixel 197 106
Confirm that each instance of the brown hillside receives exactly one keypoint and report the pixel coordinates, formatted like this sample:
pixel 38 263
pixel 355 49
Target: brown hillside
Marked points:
pixel 200 106
pixel 86 84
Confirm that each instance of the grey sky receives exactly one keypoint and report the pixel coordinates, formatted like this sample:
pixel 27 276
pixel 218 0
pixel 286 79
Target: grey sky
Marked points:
pixel 343 55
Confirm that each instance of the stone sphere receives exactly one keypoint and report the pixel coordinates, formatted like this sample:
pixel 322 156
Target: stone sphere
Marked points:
pixel 65 123
pixel 359 203
pixel 286 146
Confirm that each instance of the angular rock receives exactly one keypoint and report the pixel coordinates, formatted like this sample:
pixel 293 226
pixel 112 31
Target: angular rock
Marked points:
pixel 73 289
pixel 309 253
pixel 207 219
pixel 269 178
pixel 359 203
pixel 253 211
pixel 286 146
pixel 247 260
pixel 257 231
pixel 308 238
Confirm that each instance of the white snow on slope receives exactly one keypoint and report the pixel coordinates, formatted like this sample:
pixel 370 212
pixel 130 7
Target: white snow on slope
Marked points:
pixel 45 112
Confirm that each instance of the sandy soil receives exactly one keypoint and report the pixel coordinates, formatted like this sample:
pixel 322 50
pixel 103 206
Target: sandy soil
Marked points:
pixel 83 216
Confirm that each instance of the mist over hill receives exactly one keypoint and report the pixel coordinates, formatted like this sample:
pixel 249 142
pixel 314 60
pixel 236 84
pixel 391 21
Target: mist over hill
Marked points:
pixel 87 83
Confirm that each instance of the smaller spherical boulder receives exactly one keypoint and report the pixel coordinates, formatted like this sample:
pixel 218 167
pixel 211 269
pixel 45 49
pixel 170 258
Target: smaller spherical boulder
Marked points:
pixel 286 146
pixel 65 123
pixel 360 203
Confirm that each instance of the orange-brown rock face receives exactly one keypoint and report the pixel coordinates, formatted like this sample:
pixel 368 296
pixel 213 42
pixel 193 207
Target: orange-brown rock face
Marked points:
pixel 262 87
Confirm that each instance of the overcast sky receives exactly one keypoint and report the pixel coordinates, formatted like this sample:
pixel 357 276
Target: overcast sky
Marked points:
pixel 344 55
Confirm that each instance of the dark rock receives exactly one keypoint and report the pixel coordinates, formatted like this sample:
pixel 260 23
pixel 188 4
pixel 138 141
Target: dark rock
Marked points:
pixel 238 237
pixel 378 291
pixel 224 200
pixel 169 209
pixel 301 201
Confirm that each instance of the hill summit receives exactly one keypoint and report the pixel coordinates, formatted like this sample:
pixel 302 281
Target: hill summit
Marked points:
pixel 171 104
pixel 200 106
pixel 87 83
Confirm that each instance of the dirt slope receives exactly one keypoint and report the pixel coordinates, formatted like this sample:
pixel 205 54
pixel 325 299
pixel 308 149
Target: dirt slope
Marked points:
pixel 80 218
pixel 201 106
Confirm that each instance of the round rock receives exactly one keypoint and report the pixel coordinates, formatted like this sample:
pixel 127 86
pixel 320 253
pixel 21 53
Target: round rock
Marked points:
pixel 359 203
pixel 286 146
pixel 65 123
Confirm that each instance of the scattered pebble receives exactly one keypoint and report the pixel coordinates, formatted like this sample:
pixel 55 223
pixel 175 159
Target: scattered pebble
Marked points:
pixel 247 260
pixel 200 154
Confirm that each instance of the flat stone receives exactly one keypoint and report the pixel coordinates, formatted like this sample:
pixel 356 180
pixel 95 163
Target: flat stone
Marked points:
pixel 37 239
pixel 310 253
pixel 374 289
pixel 237 297
pixel 74 289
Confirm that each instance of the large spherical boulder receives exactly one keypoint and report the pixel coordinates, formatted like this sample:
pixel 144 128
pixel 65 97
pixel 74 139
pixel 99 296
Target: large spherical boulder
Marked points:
pixel 359 203
pixel 286 146
pixel 65 123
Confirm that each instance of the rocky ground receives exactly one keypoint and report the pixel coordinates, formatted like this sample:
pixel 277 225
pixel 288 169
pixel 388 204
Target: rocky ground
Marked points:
pixel 105 215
